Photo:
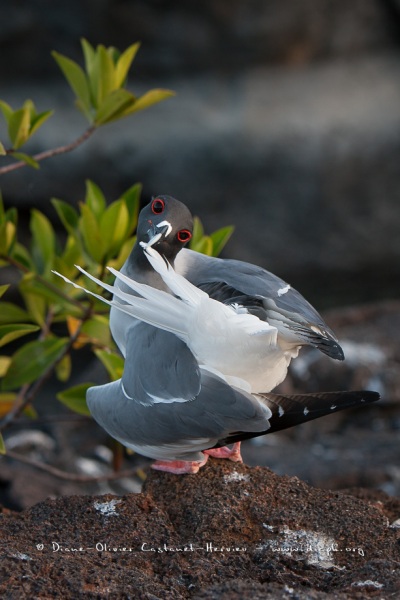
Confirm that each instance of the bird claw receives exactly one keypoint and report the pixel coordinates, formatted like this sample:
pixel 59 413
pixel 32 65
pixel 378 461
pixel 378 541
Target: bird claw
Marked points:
pixel 179 467
pixel 225 452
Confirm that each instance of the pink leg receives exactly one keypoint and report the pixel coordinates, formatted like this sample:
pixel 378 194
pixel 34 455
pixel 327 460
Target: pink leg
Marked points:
pixel 225 452
pixel 179 467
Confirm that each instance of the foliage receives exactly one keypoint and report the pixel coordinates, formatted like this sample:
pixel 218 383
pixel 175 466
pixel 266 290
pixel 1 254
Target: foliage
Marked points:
pixel 101 95
pixel 22 124
pixel 44 322
pixel 51 320
pixel 100 92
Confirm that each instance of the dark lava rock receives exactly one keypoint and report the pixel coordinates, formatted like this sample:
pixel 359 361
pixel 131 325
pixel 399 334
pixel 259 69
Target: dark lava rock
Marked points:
pixel 228 532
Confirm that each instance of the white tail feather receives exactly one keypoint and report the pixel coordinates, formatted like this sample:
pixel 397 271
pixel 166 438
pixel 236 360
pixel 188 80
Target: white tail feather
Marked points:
pixel 170 318
pixel 176 283
pixel 181 315
pixel 234 343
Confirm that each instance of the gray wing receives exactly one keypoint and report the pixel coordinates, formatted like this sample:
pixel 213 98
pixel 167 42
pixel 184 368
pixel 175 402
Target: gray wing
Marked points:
pixel 159 367
pixel 263 294
pixel 165 406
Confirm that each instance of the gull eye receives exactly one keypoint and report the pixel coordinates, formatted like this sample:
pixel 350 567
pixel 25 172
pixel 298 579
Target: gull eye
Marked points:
pixel 183 235
pixel 157 206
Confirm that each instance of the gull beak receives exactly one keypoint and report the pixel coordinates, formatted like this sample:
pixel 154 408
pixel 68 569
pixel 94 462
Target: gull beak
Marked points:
pixel 156 232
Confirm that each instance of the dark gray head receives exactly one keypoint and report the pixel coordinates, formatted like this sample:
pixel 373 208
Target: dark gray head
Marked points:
pixel 165 224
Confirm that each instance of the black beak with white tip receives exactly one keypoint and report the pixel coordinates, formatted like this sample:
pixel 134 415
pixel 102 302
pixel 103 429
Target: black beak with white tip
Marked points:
pixel 156 232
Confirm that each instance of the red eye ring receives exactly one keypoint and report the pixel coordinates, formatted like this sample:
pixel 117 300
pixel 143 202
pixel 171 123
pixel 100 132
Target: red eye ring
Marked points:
pixel 184 235
pixel 157 206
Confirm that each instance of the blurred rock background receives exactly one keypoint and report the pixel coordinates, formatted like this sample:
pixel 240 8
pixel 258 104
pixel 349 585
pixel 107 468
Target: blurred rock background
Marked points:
pixel 286 124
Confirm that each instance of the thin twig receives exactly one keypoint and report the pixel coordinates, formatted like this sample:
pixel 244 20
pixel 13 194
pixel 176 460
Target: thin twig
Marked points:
pixel 19 402
pixel 50 153
pixel 71 476
pixel 47 324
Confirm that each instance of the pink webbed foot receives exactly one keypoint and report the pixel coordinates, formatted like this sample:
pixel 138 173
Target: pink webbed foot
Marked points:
pixel 225 452
pixel 179 467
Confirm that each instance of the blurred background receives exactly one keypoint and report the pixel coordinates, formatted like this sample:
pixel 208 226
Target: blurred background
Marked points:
pixel 286 124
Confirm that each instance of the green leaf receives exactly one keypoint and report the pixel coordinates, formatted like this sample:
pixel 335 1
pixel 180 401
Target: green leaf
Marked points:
pixel 71 256
pixel 18 127
pixel 113 106
pixel 3 289
pixel 97 329
pixel 75 398
pixel 35 303
pixel 131 198
pixel 9 333
pixel 114 363
pixel 148 99
pixel 90 230
pixel 95 199
pixel 43 246
pixel 11 215
pixel 6 110
pixel 11 313
pixel 63 368
pixel 220 238
pixel 94 81
pixel 67 215
pixel 89 55
pixel 38 120
pixel 30 412
pixel 113 226
pixel 106 82
pixel 36 296
pixel 114 54
pixel 124 63
pixel 211 245
pixel 26 158
pixel 2 446
pixel 198 232
pixel 92 69
pixel 5 362
pixel 125 251
pixel 7 237
pixel 29 105
pixel 78 82
pixel 32 361
pixel 2 150
pixel 21 255
pixel 204 246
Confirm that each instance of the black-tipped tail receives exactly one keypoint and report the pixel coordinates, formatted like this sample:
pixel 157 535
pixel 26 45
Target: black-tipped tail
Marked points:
pixel 288 411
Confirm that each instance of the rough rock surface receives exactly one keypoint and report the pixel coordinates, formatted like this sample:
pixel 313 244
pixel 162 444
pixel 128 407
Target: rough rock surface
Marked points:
pixel 228 532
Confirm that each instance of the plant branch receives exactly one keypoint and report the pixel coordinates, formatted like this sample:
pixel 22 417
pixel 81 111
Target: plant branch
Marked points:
pixel 71 476
pixel 53 152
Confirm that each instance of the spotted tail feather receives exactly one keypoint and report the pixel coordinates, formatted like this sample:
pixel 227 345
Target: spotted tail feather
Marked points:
pixel 288 411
